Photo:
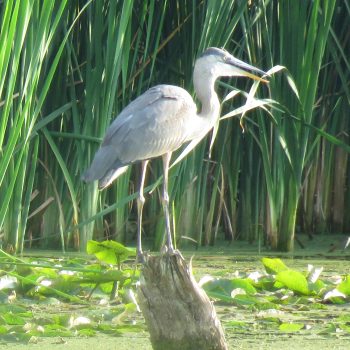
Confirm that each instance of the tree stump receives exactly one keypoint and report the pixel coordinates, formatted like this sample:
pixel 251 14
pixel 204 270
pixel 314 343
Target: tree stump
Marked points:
pixel 178 313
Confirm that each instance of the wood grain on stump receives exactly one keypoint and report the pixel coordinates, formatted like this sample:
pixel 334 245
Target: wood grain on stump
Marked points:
pixel 178 313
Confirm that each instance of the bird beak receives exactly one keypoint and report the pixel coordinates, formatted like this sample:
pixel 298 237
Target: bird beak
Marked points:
pixel 240 69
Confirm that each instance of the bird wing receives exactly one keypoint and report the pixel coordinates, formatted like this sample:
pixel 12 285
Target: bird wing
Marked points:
pixel 153 124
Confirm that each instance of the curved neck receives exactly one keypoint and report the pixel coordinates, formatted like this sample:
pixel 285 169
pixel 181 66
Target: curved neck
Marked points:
pixel 204 84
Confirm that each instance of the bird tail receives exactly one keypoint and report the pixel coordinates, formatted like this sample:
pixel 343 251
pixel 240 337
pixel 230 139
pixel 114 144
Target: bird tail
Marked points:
pixel 105 168
pixel 110 176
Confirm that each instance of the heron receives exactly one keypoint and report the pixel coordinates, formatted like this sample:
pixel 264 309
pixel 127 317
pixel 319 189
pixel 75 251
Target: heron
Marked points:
pixel 160 121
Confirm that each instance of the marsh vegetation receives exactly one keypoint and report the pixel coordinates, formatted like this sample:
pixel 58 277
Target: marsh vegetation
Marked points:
pixel 278 168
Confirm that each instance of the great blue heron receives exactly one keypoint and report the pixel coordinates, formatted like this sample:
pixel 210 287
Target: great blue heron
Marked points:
pixel 161 120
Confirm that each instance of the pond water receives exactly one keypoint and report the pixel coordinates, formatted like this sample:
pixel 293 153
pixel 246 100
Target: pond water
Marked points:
pixel 245 327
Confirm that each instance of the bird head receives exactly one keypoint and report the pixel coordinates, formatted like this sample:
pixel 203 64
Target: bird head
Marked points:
pixel 220 63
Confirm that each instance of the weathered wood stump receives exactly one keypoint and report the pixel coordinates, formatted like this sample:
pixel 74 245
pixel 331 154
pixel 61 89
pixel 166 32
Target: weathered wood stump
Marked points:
pixel 178 313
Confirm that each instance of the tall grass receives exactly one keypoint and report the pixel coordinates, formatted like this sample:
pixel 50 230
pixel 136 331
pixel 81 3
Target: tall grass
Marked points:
pixel 68 68
pixel 27 30
pixel 296 37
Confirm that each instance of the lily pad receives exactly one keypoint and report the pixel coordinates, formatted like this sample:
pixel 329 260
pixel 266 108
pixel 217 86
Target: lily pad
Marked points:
pixel 110 252
pixel 293 280
pixel 291 327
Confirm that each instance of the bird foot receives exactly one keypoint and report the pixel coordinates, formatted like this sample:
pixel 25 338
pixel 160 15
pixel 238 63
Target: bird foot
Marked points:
pixel 166 250
pixel 141 257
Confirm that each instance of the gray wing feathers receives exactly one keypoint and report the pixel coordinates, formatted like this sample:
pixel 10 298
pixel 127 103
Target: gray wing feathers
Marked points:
pixel 133 108
pixel 151 125
pixel 104 160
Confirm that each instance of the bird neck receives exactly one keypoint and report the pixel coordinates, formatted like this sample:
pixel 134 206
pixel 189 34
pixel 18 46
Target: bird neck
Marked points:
pixel 204 86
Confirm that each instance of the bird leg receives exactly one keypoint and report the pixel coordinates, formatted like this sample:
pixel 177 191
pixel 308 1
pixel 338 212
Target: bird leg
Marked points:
pixel 140 203
pixel 165 200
